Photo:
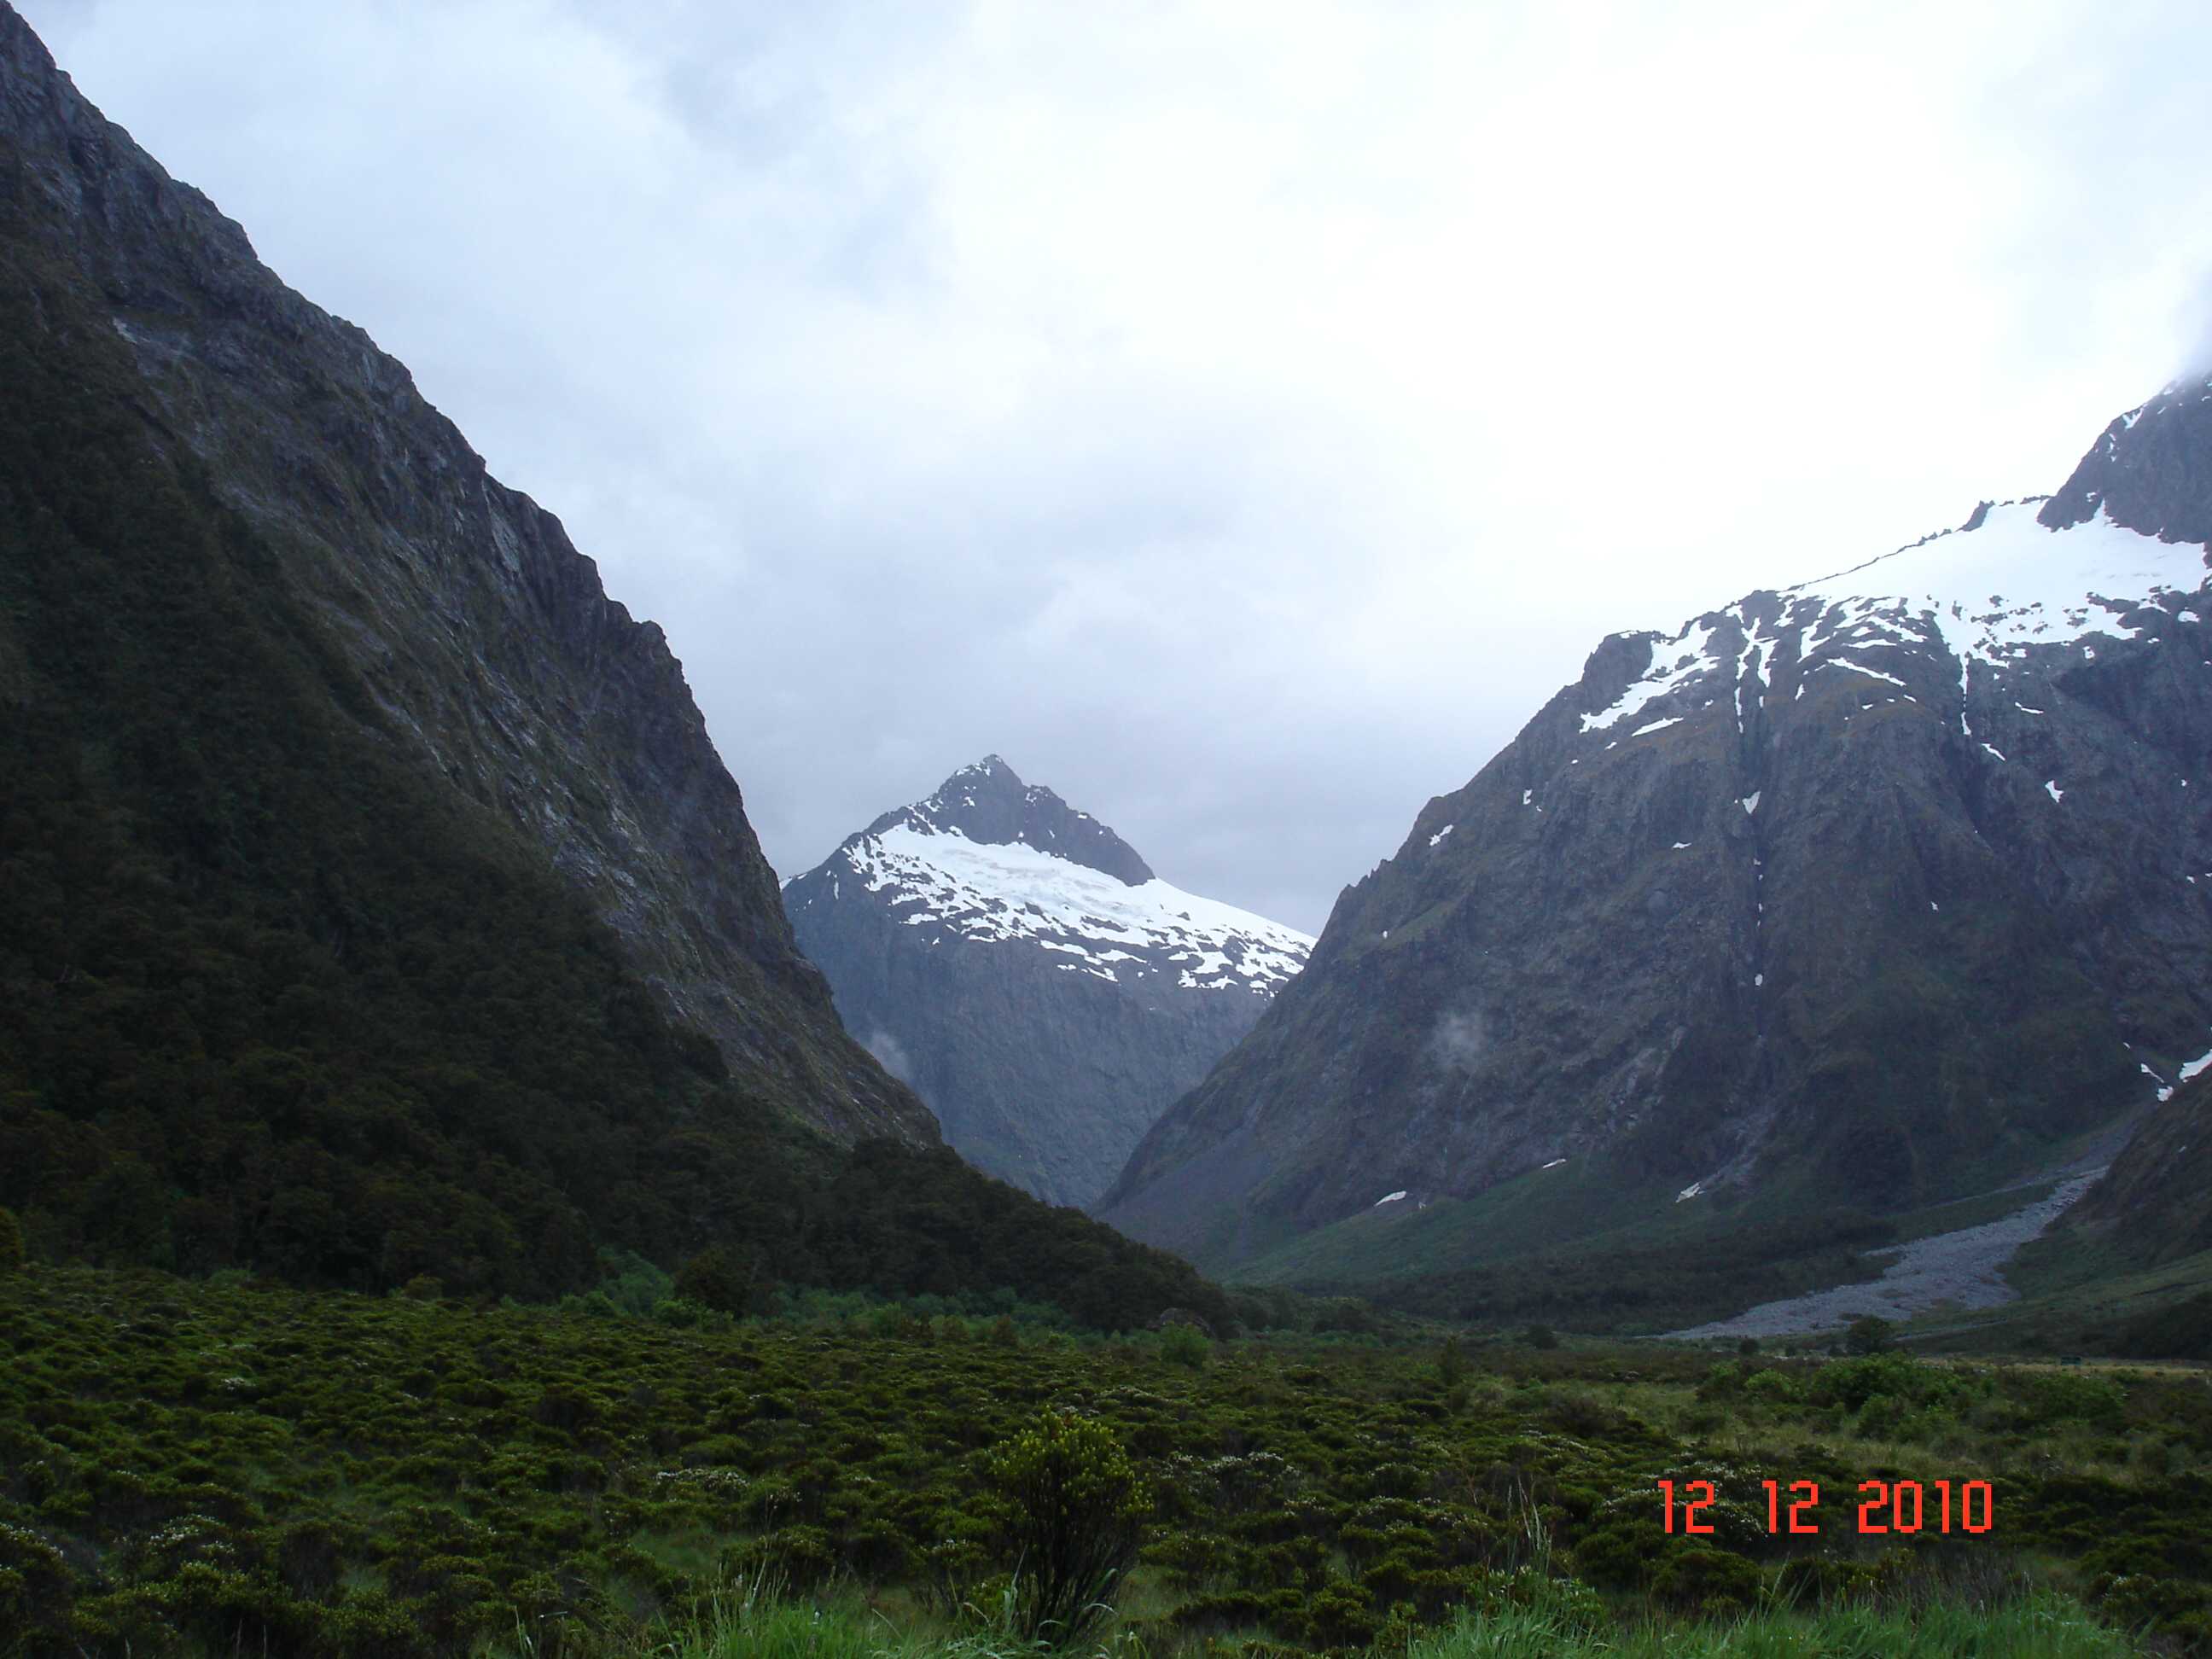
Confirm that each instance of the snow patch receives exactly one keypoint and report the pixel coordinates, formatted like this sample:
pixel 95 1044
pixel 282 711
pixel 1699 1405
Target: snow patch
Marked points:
pixel 1674 664
pixel 1016 892
pixel 1388 1198
pixel 1990 592
pixel 1750 802
pixel 2050 789
pixel 1857 668
pixel 1448 828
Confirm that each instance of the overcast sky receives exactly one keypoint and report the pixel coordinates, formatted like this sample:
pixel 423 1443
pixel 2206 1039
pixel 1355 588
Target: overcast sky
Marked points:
pixel 1240 417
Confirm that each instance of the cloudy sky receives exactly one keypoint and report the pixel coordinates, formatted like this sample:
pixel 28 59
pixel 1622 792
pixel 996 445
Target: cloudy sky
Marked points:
pixel 1241 416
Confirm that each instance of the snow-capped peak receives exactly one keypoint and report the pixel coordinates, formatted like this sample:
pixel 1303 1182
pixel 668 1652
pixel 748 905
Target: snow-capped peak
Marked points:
pixel 1984 595
pixel 989 860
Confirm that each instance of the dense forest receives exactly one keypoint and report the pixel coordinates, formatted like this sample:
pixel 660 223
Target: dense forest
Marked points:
pixel 273 996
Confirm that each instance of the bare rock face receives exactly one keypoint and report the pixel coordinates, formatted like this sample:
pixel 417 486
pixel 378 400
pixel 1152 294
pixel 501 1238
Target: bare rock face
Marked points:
pixel 476 629
pixel 1861 892
pixel 1017 962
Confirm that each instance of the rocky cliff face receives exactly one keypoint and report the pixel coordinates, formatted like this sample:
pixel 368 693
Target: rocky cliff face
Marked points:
pixel 1018 964
pixel 1860 891
pixel 477 633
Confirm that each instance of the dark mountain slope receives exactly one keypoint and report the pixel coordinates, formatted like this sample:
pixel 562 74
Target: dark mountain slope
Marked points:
pixel 479 637
pixel 1854 894
pixel 2155 1205
pixel 1018 964
pixel 331 841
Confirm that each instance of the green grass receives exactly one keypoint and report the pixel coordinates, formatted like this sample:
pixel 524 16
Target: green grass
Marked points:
pixel 756 1623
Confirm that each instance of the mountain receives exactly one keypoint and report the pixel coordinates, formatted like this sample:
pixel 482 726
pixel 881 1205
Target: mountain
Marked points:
pixel 2154 1204
pixel 373 902
pixel 1022 967
pixel 1861 893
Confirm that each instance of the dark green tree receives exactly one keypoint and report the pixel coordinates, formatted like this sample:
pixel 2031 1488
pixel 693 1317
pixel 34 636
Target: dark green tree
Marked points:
pixel 1869 1334
pixel 716 1278
pixel 11 1242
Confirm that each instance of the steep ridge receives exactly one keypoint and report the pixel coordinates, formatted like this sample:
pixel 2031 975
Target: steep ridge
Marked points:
pixel 374 910
pixel 483 642
pixel 1853 893
pixel 1021 965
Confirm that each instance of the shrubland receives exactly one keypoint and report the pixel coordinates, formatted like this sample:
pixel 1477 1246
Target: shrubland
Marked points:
pixel 229 1465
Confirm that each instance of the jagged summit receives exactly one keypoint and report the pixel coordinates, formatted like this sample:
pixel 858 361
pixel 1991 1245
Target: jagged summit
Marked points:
pixel 1019 963
pixel 987 803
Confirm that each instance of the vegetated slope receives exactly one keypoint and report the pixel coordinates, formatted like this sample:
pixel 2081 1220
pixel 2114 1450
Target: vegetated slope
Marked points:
pixel 1863 892
pixel 477 644
pixel 1021 967
pixel 2154 1204
pixel 334 840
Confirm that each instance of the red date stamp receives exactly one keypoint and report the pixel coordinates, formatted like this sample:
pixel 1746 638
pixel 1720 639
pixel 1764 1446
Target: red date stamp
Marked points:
pixel 1885 1506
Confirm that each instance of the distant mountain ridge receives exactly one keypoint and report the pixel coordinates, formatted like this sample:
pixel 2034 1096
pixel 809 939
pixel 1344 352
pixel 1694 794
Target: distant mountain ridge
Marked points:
pixel 1021 965
pixel 1851 893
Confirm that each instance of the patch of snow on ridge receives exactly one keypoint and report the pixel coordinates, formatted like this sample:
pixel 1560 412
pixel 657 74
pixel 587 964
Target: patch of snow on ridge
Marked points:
pixel 1657 726
pixel 1690 1191
pixel 1448 828
pixel 1674 664
pixel 1388 1198
pixel 1991 591
pixel 2050 787
pixel 1857 668
pixel 1015 892
pixel 2193 1067
pixel 1750 802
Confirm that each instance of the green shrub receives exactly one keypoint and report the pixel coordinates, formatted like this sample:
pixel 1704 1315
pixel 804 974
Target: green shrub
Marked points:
pixel 1185 1344
pixel 715 1278
pixel 1540 1336
pixel 1451 1364
pixel 11 1242
pixel 1773 1387
pixel 1708 1581
pixel 2092 1398
pixel 1077 1519
pixel 1869 1334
